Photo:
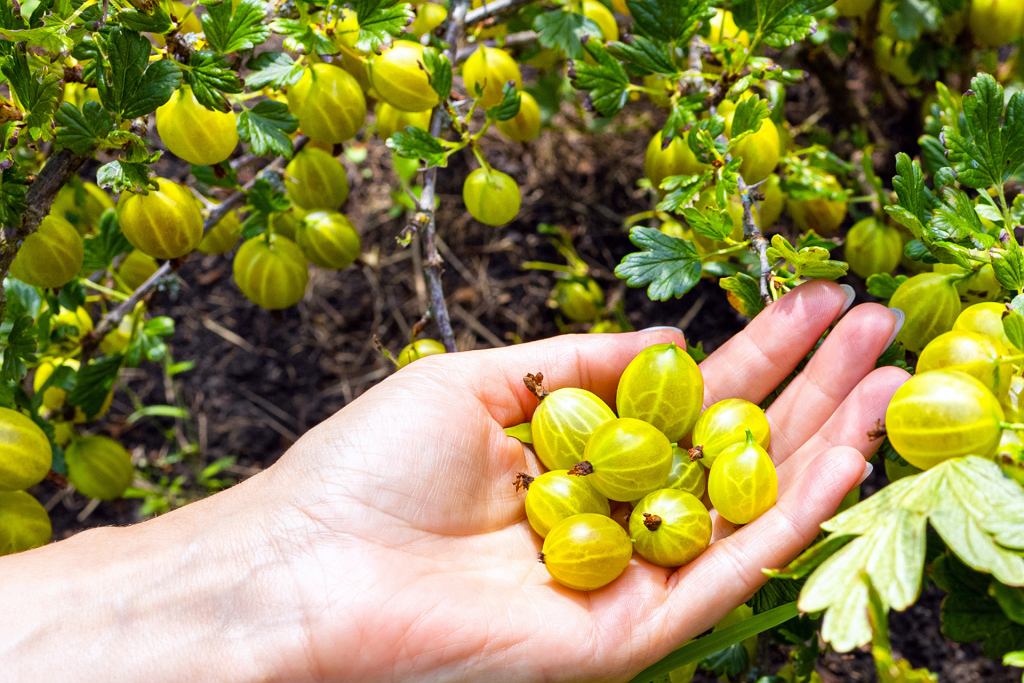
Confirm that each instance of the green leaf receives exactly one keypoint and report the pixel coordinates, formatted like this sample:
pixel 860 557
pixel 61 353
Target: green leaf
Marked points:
pixel 715 224
pixel 668 20
pixel 18 347
pixel 807 262
pixel 969 614
pixel 82 130
pixel 643 56
pixel 275 69
pixel 605 80
pixel 1014 659
pixel 668 266
pixel 416 143
pixel 883 285
pixel 779 23
pixel 561 30
pixel 267 195
pixel 94 383
pixel 521 431
pixel 1008 265
pixel 1010 599
pixel 747 290
pixel 379 20
pixel 37 91
pixel 102 248
pixel 749 114
pixel 988 147
pixel 129 84
pixel 230 30
pixel 975 509
pixel 954 219
pixel 119 176
pixel 210 77
pixel 439 72
pixel 266 128
pixel 303 33
pixel 1013 326
pixel 157 21
pixel 680 190
pixel 911 18
pixel 699 649
pixel 889 668
pixel 509 105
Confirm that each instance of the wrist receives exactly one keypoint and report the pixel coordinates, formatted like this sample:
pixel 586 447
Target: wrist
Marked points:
pixel 198 594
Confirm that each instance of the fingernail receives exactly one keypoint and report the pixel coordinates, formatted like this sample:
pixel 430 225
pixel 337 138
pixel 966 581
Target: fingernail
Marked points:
pixel 850 296
pixel 900 317
pixel 662 328
pixel 868 469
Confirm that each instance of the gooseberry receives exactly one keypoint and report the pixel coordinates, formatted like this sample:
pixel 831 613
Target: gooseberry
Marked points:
pixel 555 495
pixel 491 197
pixel 429 15
pixel 82 205
pixel 942 414
pixel 328 239
pixel 579 301
pixel 726 423
pixel 136 268
pixel 602 16
pixel 975 354
pixel 316 180
pixel 419 349
pixel 586 551
pixel 25 453
pixel 192 132
pixel 670 527
pixel 770 208
pixel 743 483
pixel 821 214
pixel 853 8
pixel 931 305
pixel 51 256
pixel 24 523
pixel 329 103
pixel 676 158
pixel 687 474
pixel 985 318
pixel 873 247
pixel 996 22
pixel 77 324
pixel 271 271
pixel 759 150
pixel 662 386
pixel 399 77
pixel 625 459
pixel 99 467
pixel 390 120
pixel 722 27
pixel 165 223
pixel 893 57
pixel 223 236
pixel 563 424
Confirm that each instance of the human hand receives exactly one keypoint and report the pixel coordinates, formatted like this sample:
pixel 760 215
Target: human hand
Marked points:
pixel 390 544
pixel 414 559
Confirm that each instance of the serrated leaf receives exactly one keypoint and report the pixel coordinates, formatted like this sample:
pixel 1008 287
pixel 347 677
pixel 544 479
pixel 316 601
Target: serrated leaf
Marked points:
pixel 94 383
pixel 976 510
pixel 969 614
pixel 82 130
pixel 129 84
pixel 155 20
pixel 911 191
pixel 680 190
pixel 416 143
pixel 561 30
pixel 37 91
pixel 747 118
pixel 304 34
pixel 954 219
pixel 643 56
pixel 102 248
pixel 18 347
pixel 120 176
pixel 229 27
pixel 210 77
pixel 1010 599
pixel 509 105
pixel 666 265
pixel 267 195
pixel 988 146
pixel 439 72
pixel 379 20
pixel 605 81
pixel 780 23
pixel 668 20
pixel 1013 326
pixel 267 127
pixel 1008 265
pixel 274 69
pixel 884 285
pixel 715 224
pixel 747 290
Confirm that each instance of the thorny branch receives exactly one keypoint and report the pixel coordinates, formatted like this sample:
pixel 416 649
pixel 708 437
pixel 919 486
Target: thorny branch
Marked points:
pixel 757 240
pixel 490 9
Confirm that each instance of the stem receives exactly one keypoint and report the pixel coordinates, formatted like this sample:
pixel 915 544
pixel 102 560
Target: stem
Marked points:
pixel 1015 426
pixel 58 170
pixel 490 9
pixel 758 243
pixel 433 265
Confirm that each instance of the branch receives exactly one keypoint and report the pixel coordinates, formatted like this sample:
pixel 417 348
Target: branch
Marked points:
pixel 758 242
pixel 490 9
pixel 425 218
pixel 58 170
pixel 114 316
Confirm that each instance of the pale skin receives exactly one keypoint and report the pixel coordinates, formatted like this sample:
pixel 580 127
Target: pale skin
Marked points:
pixel 390 544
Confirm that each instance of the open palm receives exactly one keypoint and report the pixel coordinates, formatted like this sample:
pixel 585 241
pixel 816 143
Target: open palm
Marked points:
pixel 413 558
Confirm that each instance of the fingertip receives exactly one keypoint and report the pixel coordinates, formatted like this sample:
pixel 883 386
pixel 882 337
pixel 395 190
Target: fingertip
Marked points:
pixel 837 470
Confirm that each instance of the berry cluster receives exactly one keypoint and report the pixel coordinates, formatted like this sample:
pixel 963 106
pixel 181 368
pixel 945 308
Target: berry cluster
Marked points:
pixel 659 456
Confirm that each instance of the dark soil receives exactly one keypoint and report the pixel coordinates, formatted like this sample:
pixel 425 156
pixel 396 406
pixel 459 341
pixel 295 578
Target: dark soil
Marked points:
pixel 261 379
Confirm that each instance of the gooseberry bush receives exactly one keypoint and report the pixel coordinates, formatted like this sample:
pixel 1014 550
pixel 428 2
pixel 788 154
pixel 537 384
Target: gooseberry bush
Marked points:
pixel 134 133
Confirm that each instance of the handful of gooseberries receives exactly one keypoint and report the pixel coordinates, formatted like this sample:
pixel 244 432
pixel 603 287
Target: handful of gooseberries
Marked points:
pixel 641 457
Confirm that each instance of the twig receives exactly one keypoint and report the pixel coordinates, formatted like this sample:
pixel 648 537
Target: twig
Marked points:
pixel 114 317
pixel 757 240
pixel 490 9
pixel 425 218
pixel 58 170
